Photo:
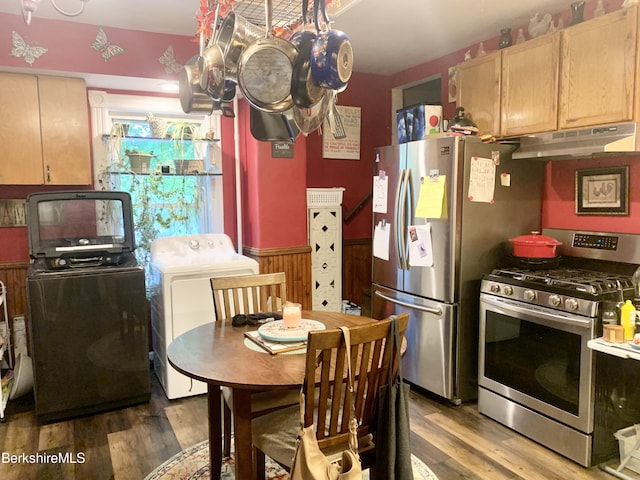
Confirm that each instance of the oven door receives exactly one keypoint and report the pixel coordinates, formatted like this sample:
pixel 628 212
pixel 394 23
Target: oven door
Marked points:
pixel 539 358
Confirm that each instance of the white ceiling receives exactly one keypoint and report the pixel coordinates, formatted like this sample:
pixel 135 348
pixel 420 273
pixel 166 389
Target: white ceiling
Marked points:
pixel 388 36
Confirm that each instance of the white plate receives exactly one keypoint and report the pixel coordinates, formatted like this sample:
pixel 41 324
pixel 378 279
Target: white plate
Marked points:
pixel 277 332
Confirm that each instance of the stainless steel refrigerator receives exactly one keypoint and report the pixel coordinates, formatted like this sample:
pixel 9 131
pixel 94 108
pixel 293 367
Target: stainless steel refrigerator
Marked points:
pixel 465 199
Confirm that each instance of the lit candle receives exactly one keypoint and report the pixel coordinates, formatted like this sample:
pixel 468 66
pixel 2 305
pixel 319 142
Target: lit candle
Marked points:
pixel 292 314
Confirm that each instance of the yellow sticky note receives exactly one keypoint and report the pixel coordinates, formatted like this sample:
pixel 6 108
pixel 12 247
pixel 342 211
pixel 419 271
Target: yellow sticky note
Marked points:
pixel 432 200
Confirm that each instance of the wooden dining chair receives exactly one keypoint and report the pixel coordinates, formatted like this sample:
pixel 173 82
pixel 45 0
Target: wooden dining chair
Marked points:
pixel 373 360
pixel 247 294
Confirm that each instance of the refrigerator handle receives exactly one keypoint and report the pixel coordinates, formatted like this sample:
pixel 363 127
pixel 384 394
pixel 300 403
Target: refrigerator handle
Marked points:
pixel 401 223
pixel 407 217
pixel 399 212
pixel 435 311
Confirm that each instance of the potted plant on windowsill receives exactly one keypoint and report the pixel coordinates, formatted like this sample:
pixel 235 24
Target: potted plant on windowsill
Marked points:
pixel 162 203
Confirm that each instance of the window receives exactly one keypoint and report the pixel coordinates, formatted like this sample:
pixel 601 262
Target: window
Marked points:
pixel 163 160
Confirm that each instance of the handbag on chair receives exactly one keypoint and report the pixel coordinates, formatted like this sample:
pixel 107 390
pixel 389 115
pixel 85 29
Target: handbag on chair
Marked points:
pixel 309 463
pixel 393 447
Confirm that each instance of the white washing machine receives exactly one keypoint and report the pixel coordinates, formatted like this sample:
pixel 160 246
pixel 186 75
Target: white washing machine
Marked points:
pixel 181 298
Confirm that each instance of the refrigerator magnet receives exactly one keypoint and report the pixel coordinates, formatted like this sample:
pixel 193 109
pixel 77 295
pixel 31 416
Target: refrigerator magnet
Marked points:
pixel 420 247
pixel 495 156
pixel 505 179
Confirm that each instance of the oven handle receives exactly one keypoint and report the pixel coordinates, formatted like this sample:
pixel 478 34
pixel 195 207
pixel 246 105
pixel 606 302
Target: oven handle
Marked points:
pixel 548 318
pixel 434 311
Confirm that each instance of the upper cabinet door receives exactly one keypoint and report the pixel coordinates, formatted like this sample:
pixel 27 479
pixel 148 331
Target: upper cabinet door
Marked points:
pixel 530 73
pixel 64 113
pixel 20 145
pixel 598 66
pixel 478 83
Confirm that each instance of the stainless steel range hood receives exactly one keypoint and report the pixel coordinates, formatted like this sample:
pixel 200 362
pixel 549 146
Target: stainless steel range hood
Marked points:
pixel 622 138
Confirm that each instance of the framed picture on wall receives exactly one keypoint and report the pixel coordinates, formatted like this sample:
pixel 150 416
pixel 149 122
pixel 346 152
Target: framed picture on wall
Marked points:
pixel 602 191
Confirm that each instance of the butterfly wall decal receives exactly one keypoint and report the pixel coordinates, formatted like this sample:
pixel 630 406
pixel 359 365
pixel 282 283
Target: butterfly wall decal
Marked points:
pixel 22 49
pixel 105 47
pixel 170 64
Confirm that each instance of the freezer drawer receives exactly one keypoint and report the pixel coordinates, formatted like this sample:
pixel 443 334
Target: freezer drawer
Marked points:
pixel 428 362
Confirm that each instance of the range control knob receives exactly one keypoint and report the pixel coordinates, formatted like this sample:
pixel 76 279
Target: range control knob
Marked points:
pixel 508 290
pixel 571 304
pixel 555 300
pixel 529 295
pixel 495 288
pixel 194 244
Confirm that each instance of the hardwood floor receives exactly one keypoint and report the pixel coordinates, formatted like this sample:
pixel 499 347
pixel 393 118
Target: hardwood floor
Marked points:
pixel 126 444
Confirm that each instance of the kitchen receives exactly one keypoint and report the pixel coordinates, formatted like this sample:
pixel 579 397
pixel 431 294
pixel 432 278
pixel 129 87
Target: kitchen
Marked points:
pixel 262 235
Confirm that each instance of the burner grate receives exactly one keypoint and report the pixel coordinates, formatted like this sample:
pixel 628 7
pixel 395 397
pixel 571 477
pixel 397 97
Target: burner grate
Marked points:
pixel 587 281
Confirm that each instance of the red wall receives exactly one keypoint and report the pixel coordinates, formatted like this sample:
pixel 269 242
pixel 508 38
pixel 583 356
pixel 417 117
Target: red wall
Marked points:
pixel 558 210
pixel 274 191
pixel 69 49
pixel 372 94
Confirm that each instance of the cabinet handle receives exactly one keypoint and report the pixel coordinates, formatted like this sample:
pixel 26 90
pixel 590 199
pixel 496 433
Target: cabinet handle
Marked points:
pixel 48 173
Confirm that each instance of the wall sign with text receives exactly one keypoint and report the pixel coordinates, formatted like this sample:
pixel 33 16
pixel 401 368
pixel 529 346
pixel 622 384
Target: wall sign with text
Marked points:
pixel 344 148
pixel 13 213
pixel 282 149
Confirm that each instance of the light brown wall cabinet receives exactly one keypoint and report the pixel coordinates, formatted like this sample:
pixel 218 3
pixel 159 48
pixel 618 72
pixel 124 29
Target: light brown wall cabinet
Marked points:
pixel 581 76
pixel 44 131
pixel 599 70
pixel 478 83
pixel 529 100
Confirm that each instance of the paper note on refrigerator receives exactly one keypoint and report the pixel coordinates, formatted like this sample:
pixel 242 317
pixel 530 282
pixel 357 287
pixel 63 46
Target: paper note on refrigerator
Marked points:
pixel 381 236
pixel 420 246
pixel 432 199
pixel 482 180
pixel 380 193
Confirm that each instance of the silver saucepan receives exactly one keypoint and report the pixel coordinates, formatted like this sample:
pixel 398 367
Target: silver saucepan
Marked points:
pixel 236 33
pixel 265 69
pixel 192 98
pixel 211 65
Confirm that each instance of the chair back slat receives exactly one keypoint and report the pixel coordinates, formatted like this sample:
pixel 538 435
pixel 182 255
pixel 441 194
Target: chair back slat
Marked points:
pixel 248 294
pixel 328 400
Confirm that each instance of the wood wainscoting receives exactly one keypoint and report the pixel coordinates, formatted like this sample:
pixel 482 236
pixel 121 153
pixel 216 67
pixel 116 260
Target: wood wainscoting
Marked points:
pixel 356 269
pixel 296 263
pixel 14 277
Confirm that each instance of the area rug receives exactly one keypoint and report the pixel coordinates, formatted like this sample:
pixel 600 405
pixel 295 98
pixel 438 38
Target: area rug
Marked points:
pixel 193 464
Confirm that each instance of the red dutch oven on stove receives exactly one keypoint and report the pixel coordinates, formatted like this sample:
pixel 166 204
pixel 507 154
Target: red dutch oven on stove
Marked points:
pixel 534 245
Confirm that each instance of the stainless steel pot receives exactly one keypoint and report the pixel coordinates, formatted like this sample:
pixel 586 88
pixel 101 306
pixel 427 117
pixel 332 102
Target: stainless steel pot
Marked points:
pixel 310 119
pixel 236 33
pixel 265 69
pixel 192 98
pixel 211 65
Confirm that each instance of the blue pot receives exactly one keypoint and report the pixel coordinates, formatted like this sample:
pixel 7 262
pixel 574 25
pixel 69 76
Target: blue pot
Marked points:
pixel 331 59
pixel 300 37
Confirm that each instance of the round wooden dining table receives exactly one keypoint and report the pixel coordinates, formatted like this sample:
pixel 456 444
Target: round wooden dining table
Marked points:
pixel 217 353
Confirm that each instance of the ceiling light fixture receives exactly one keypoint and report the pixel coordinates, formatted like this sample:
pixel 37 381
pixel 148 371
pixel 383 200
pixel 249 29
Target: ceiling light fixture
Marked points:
pixel 30 6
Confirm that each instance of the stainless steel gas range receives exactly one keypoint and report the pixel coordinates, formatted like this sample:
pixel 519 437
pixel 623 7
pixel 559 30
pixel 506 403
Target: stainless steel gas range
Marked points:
pixel 536 373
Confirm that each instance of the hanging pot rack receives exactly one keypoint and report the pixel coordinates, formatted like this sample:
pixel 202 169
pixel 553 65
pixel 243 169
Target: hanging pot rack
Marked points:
pixel 285 13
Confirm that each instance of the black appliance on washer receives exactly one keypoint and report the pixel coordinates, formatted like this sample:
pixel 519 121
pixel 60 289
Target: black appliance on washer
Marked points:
pixel 537 374
pixel 86 296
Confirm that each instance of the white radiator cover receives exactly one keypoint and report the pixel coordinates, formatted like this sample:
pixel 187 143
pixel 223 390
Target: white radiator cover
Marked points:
pixel 325 238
